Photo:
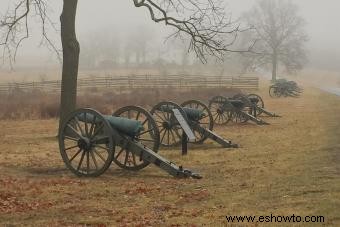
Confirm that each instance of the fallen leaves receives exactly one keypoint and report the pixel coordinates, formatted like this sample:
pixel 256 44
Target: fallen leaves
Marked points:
pixel 22 194
pixel 10 203
pixel 141 188
pixel 194 196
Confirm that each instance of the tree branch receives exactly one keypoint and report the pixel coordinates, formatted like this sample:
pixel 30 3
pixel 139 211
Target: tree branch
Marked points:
pixel 14 27
pixel 211 33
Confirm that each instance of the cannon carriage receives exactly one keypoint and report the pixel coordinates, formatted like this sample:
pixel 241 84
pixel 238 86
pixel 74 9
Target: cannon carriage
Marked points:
pixel 90 141
pixel 254 105
pixel 198 118
pixel 225 110
pixel 284 88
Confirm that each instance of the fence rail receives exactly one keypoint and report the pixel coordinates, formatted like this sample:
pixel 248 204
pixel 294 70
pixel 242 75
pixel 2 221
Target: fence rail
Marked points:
pixel 141 81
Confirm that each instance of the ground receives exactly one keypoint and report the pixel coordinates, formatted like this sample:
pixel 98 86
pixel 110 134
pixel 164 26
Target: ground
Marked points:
pixel 291 166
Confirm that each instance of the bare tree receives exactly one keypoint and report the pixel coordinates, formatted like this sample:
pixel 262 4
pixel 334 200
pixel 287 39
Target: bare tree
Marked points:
pixel 140 40
pixel 280 35
pixel 100 48
pixel 205 22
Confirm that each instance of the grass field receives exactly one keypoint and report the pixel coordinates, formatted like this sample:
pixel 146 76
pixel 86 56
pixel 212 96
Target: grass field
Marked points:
pixel 289 167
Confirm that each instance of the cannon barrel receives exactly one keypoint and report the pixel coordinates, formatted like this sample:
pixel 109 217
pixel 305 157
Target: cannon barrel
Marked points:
pixel 126 126
pixel 192 114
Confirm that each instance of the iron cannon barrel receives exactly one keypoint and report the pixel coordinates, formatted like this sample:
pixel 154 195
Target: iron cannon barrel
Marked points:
pixel 124 125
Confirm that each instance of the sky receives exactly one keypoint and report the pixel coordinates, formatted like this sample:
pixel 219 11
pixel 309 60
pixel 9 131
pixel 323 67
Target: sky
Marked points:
pixel 322 17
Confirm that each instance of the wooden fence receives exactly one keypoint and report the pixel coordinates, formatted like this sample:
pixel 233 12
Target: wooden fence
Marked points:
pixel 141 81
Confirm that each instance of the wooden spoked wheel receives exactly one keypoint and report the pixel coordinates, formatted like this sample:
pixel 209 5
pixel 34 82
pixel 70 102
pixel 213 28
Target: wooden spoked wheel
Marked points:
pixel 218 108
pixel 259 102
pixel 248 107
pixel 85 143
pixel 206 121
pixel 274 91
pixel 148 136
pixel 168 126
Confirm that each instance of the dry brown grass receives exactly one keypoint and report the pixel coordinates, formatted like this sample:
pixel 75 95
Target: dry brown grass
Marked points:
pixel 289 167
pixel 36 104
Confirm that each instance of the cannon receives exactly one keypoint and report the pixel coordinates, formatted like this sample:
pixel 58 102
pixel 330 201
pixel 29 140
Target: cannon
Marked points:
pixel 197 116
pixel 254 105
pixel 225 110
pixel 285 88
pixel 89 141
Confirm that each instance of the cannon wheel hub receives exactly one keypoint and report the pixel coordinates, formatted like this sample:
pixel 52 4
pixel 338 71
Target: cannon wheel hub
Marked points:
pixel 85 144
pixel 220 111
pixel 167 125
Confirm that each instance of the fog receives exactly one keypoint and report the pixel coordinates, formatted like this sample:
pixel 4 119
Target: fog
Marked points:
pixel 120 16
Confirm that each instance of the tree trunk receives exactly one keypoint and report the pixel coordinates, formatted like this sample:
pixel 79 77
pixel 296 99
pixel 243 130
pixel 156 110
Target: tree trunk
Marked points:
pixel 127 58
pixel 144 55
pixel 70 59
pixel 274 66
pixel 138 54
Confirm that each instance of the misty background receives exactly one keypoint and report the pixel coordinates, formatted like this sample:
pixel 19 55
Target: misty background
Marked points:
pixel 124 28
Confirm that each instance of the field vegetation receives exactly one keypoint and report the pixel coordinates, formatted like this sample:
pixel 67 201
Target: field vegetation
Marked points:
pixel 35 104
